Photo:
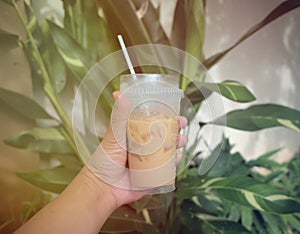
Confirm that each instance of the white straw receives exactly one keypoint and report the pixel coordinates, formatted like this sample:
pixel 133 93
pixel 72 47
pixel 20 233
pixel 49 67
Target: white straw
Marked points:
pixel 126 55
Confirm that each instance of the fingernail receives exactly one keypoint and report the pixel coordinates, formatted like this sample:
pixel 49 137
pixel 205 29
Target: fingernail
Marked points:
pixel 116 95
pixel 183 122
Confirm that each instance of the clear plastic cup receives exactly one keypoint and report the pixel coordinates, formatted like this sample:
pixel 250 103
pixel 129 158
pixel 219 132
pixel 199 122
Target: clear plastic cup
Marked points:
pixel 152 130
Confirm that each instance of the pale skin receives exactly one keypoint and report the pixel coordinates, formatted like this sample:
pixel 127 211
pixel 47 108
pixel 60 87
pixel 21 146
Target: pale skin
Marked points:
pixel 87 202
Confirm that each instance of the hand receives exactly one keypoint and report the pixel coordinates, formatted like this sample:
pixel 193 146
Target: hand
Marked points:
pixel 109 160
pixel 101 187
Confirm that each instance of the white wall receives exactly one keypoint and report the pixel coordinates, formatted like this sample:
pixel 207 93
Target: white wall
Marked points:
pixel 268 63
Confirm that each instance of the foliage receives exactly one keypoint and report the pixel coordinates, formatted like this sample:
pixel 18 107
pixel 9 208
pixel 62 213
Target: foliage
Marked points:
pixel 231 197
pixel 233 189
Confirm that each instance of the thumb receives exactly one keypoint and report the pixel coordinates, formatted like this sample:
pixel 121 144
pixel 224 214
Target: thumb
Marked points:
pixel 118 121
pixel 116 95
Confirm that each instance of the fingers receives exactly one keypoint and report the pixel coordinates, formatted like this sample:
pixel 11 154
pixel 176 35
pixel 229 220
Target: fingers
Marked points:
pixel 178 157
pixel 182 122
pixel 118 120
pixel 116 95
pixel 181 141
pixel 121 106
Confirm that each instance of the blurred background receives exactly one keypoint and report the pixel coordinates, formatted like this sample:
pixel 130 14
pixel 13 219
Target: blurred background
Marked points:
pixel 14 75
pixel 267 63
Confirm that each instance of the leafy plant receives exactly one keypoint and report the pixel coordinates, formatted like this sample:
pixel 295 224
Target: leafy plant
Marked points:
pixel 229 198
pixel 235 191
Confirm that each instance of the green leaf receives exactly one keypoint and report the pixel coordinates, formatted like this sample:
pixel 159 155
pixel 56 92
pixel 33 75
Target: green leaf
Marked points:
pixel 33 24
pixel 54 63
pixel 226 164
pixel 262 116
pixel 70 2
pixel 280 10
pixel 258 224
pixel 8 39
pixel 53 180
pixel 68 161
pixel 226 226
pixel 43 140
pixel 68 20
pixel 247 217
pixel 57 69
pixel 6 223
pixel 141 204
pixel 94 31
pixel 105 38
pixel 179 29
pixel 293 221
pixel 264 161
pixel 197 222
pixel 245 191
pixel 234 213
pixel 125 220
pixel 188 34
pixel 23 105
pixel 272 176
pixel 208 162
pixel 272 222
pixel 95 34
pixel 210 204
pixel 270 153
pixel 10 2
pixel 72 53
pixel 148 202
pixel 233 90
pixel 196 93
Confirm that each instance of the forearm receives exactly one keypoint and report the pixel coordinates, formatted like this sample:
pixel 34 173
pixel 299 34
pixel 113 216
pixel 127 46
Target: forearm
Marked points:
pixel 82 208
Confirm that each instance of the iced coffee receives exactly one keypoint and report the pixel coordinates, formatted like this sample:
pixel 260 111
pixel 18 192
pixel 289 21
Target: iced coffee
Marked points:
pixel 152 129
pixel 152 141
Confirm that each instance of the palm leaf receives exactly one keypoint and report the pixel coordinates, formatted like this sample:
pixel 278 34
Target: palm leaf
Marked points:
pixel 23 105
pixel 43 140
pixel 76 58
pixel 53 180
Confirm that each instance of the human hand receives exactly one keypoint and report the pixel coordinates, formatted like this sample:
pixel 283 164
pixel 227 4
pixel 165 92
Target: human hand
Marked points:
pixel 101 186
pixel 108 163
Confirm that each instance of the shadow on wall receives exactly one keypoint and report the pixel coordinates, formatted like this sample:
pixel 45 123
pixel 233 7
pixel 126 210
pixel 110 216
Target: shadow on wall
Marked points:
pixel 267 63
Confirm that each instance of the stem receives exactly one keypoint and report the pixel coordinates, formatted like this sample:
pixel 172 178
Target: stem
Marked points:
pixel 146 215
pixel 50 90
pixel 70 9
pixel 79 26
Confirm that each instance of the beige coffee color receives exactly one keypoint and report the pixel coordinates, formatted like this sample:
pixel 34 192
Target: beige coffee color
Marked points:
pixel 152 148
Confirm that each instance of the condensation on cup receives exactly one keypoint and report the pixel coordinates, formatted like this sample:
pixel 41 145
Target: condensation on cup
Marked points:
pixel 152 129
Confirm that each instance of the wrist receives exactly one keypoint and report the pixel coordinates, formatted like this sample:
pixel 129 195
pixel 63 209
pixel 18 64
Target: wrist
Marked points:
pixel 101 192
